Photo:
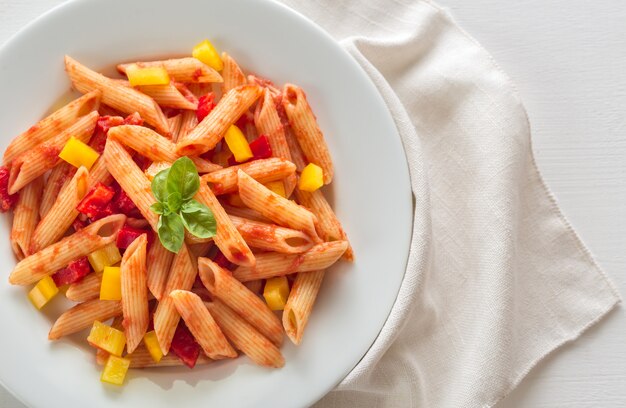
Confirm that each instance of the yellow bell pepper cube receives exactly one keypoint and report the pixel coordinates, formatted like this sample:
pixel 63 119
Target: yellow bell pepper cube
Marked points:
pixel 312 178
pixel 276 292
pixel 152 344
pixel 78 154
pixel 238 144
pixel 103 257
pixel 277 187
pixel 43 291
pixel 147 76
pixel 115 370
pixel 206 53
pixel 111 286
pixel 107 338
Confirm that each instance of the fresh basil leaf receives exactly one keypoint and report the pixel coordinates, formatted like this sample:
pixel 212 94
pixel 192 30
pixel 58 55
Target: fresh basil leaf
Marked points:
pixel 183 178
pixel 174 201
pixel 159 185
pixel 198 219
pixel 171 232
pixel 157 208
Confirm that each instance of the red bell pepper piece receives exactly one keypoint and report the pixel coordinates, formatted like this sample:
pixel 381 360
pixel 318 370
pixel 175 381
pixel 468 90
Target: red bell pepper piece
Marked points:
pixel 7 201
pixel 260 147
pixel 185 346
pixel 96 204
pixel 205 106
pixel 123 203
pixel 74 272
pixel 128 234
pixel 99 138
pixel 79 223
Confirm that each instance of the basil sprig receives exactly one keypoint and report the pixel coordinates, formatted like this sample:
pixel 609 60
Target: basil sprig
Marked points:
pixel 174 189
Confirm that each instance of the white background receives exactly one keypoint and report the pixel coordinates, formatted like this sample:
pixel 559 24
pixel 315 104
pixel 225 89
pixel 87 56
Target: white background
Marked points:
pixel 568 59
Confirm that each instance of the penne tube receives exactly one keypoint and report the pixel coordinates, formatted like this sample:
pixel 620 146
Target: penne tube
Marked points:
pixel 245 337
pixel 200 249
pixel 210 131
pixel 170 96
pixel 273 264
pixel 135 292
pixel 59 176
pixel 329 227
pixel 227 238
pixel 141 358
pixel 221 284
pixel 130 177
pixel 245 212
pixel 88 288
pixel 26 217
pixel 52 125
pixel 152 145
pixel 174 123
pixel 297 156
pixel 232 74
pixel 83 315
pixel 159 263
pixel 181 70
pixel 268 123
pixel 255 286
pixel 188 121
pixel 35 162
pixel 272 237
pixel 306 130
pixel 278 209
pixel 300 304
pixel 62 213
pixel 99 173
pixel 264 83
pixel 116 95
pixel 182 275
pixel 264 170
pixel 201 324
pixel 58 255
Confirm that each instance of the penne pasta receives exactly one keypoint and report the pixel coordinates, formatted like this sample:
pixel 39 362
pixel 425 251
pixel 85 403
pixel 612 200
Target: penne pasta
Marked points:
pixel 141 358
pixel 159 263
pixel 245 337
pixel 300 304
pixel 297 156
pixel 181 70
pixel 227 238
pixel 26 217
pixel 264 170
pixel 255 286
pixel 210 131
pixel 245 212
pixel 264 83
pixel 174 124
pixel 59 176
pixel 135 292
pixel 58 255
pixel 329 227
pixel 182 275
pixel 52 125
pixel 268 123
pixel 232 74
pixel 116 95
pixel 88 288
pixel 83 315
pixel 99 173
pixel 272 264
pixel 62 213
pixel 201 324
pixel 188 121
pixel 170 96
pixel 35 162
pixel 278 209
pixel 130 177
pixel 150 144
pixel 306 130
pixel 272 237
pixel 221 284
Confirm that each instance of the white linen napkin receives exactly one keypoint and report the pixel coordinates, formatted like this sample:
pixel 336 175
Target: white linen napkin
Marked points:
pixel 496 278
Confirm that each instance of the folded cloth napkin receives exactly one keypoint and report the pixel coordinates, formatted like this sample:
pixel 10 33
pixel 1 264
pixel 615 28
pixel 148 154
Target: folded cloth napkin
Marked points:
pixel 496 278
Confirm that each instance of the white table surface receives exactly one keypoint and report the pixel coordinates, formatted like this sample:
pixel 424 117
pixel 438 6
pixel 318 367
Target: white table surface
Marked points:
pixel 568 59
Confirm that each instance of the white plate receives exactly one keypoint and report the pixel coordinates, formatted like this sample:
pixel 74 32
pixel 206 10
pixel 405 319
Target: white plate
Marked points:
pixel 371 196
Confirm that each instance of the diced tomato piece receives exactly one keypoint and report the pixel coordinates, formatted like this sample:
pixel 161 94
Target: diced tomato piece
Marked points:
pixel 95 204
pixel 80 223
pixel 74 272
pixel 7 201
pixel 133 119
pixel 123 203
pixel 222 261
pixel 128 234
pixel 185 346
pixel 261 148
pixel 99 138
pixel 205 106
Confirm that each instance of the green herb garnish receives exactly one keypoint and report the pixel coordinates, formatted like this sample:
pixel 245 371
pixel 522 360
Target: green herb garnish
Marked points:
pixel 174 189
